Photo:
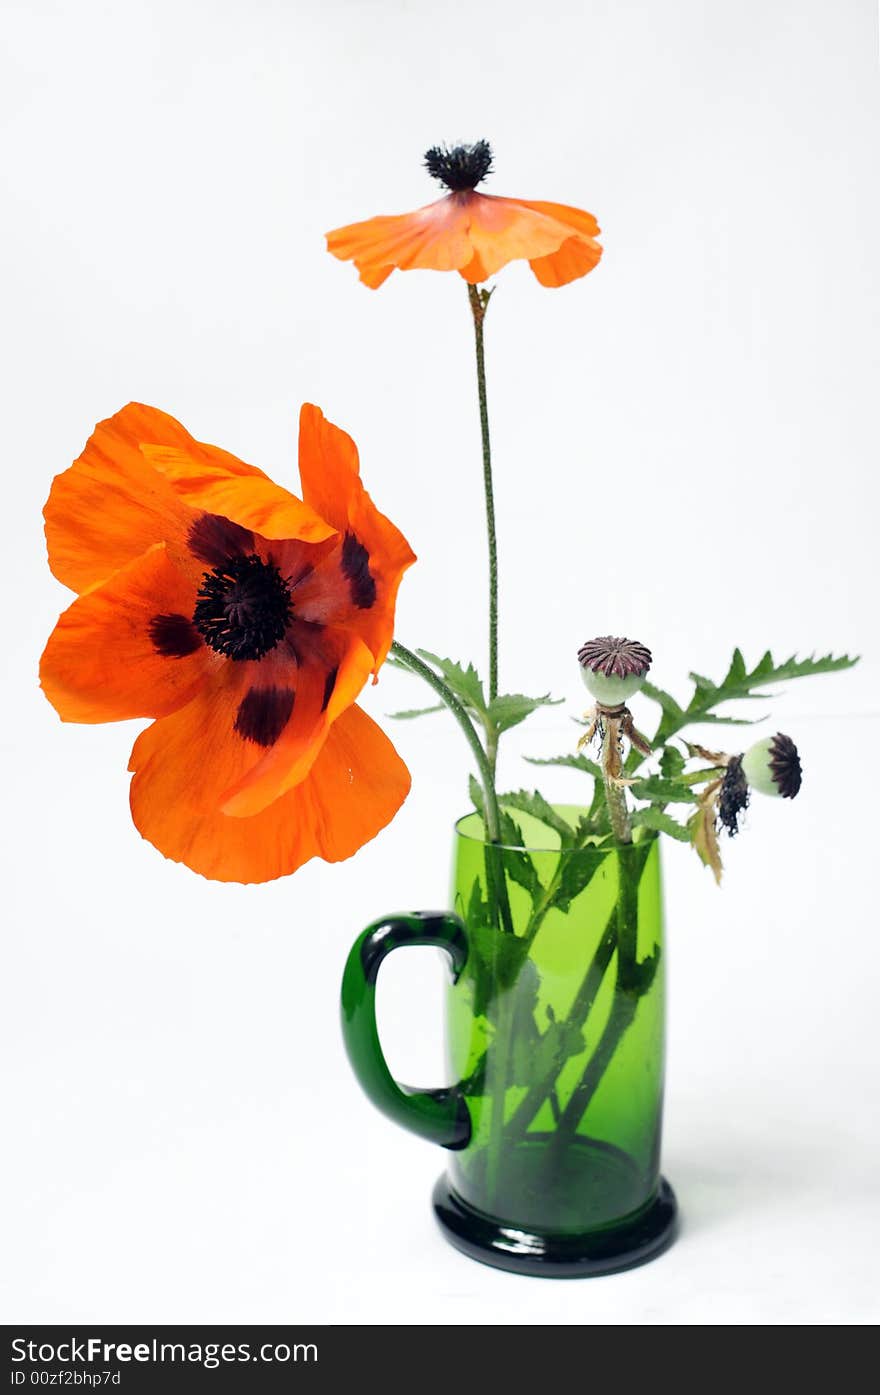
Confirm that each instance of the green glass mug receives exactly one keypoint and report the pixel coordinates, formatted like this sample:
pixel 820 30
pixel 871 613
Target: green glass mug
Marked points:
pixel 555 1034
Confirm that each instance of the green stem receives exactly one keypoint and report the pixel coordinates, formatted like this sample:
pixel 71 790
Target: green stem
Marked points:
pixel 494 861
pixel 502 1047
pixel 548 897
pixel 627 992
pixel 419 667
pixel 580 1011
pixel 479 300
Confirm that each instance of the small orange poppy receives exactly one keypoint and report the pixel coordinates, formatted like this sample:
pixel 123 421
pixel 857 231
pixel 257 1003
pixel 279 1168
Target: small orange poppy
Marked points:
pixel 246 621
pixel 473 234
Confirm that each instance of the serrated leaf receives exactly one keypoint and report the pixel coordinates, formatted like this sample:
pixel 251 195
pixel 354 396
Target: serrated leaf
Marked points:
pixel 475 790
pixel 663 823
pixel 738 684
pixel 518 866
pixel 660 791
pixel 533 802
pixel 714 719
pixel 659 695
pixel 576 762
pixel 672 762
pixel 464 682
pixel 409 712
pixel 509 709
pixel 578 869
pixel 496 962
pixel 737 671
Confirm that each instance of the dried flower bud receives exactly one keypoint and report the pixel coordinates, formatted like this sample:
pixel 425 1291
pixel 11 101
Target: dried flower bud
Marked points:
pixel 772 766
pixel 613 669
pixel 733 796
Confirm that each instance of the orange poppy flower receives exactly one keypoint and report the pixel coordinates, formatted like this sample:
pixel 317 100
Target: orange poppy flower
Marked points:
pixel 473 234
pixel 246 621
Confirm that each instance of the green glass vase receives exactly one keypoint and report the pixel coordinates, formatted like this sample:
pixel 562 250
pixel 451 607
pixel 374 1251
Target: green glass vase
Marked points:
pixel 555 1031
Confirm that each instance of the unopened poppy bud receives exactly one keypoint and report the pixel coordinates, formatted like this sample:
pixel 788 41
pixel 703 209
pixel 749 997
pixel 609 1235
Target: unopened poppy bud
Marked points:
pixel 772 766
pixel 613 669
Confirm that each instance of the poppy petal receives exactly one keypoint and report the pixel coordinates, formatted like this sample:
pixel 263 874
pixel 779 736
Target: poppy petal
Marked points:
pixel 357 585
pixel 127 648
pixel 575 219
pixel 110 506
pixel 217 482
pixel 355 788
pixel 333 668
pixel 374 276
pixel 433 238
pixel 575 258
pixel 475 235
pixel 504 230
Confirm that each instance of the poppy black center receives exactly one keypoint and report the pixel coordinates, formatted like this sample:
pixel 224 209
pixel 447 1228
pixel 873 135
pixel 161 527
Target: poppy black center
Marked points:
pixel 243 607
pixel 459 167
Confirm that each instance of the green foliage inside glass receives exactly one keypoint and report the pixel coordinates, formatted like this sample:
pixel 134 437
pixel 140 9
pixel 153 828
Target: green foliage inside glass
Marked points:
pixel 556 1028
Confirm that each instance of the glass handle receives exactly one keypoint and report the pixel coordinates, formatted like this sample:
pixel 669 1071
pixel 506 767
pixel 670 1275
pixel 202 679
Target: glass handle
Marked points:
pixel 438 1115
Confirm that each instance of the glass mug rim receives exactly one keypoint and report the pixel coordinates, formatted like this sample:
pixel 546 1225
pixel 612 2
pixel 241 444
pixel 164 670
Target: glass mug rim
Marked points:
pixel 645 835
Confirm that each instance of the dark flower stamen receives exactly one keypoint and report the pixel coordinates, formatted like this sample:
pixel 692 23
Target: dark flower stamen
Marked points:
pixel 785 766
pixel 615 657
pixel 733 796
pixel 243 607
pixel 459 167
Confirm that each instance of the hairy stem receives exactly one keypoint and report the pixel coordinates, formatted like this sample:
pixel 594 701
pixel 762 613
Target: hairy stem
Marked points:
pixel 479 300
pixel 494 857
pixel 615 796
pixel 419 667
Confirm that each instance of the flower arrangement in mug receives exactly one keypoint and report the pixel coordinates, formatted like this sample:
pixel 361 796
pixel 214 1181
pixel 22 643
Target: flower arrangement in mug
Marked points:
pixel 246 621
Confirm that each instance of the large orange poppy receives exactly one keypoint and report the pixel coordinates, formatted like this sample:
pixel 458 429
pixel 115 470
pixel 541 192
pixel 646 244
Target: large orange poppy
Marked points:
pixel 473 234
pixel 246 621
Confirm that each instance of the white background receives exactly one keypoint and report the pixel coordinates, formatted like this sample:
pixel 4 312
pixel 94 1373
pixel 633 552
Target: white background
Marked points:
pixel 686 446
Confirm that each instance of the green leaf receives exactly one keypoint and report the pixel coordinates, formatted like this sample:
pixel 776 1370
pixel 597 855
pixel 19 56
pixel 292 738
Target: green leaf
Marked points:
pixel 464 682
pixel 576 762
pixel 710 719
pixel 645 973
pixel 578 869
pixel 739 683
pixel 409 712
pixel 544 1055
pixel 495 961
pixel 518 866
pixel 666 700
pixel 663 823
pixel 534 803
pixel 660 791
pixel 672 762
pixel 509 709
pixel 475 790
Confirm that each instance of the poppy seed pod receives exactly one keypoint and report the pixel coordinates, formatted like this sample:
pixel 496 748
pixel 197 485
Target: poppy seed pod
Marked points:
pixel 613 668
pixel 772 766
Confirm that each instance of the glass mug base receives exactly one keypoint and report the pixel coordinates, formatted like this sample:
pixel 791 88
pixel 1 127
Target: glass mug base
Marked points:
pixel 635 1239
